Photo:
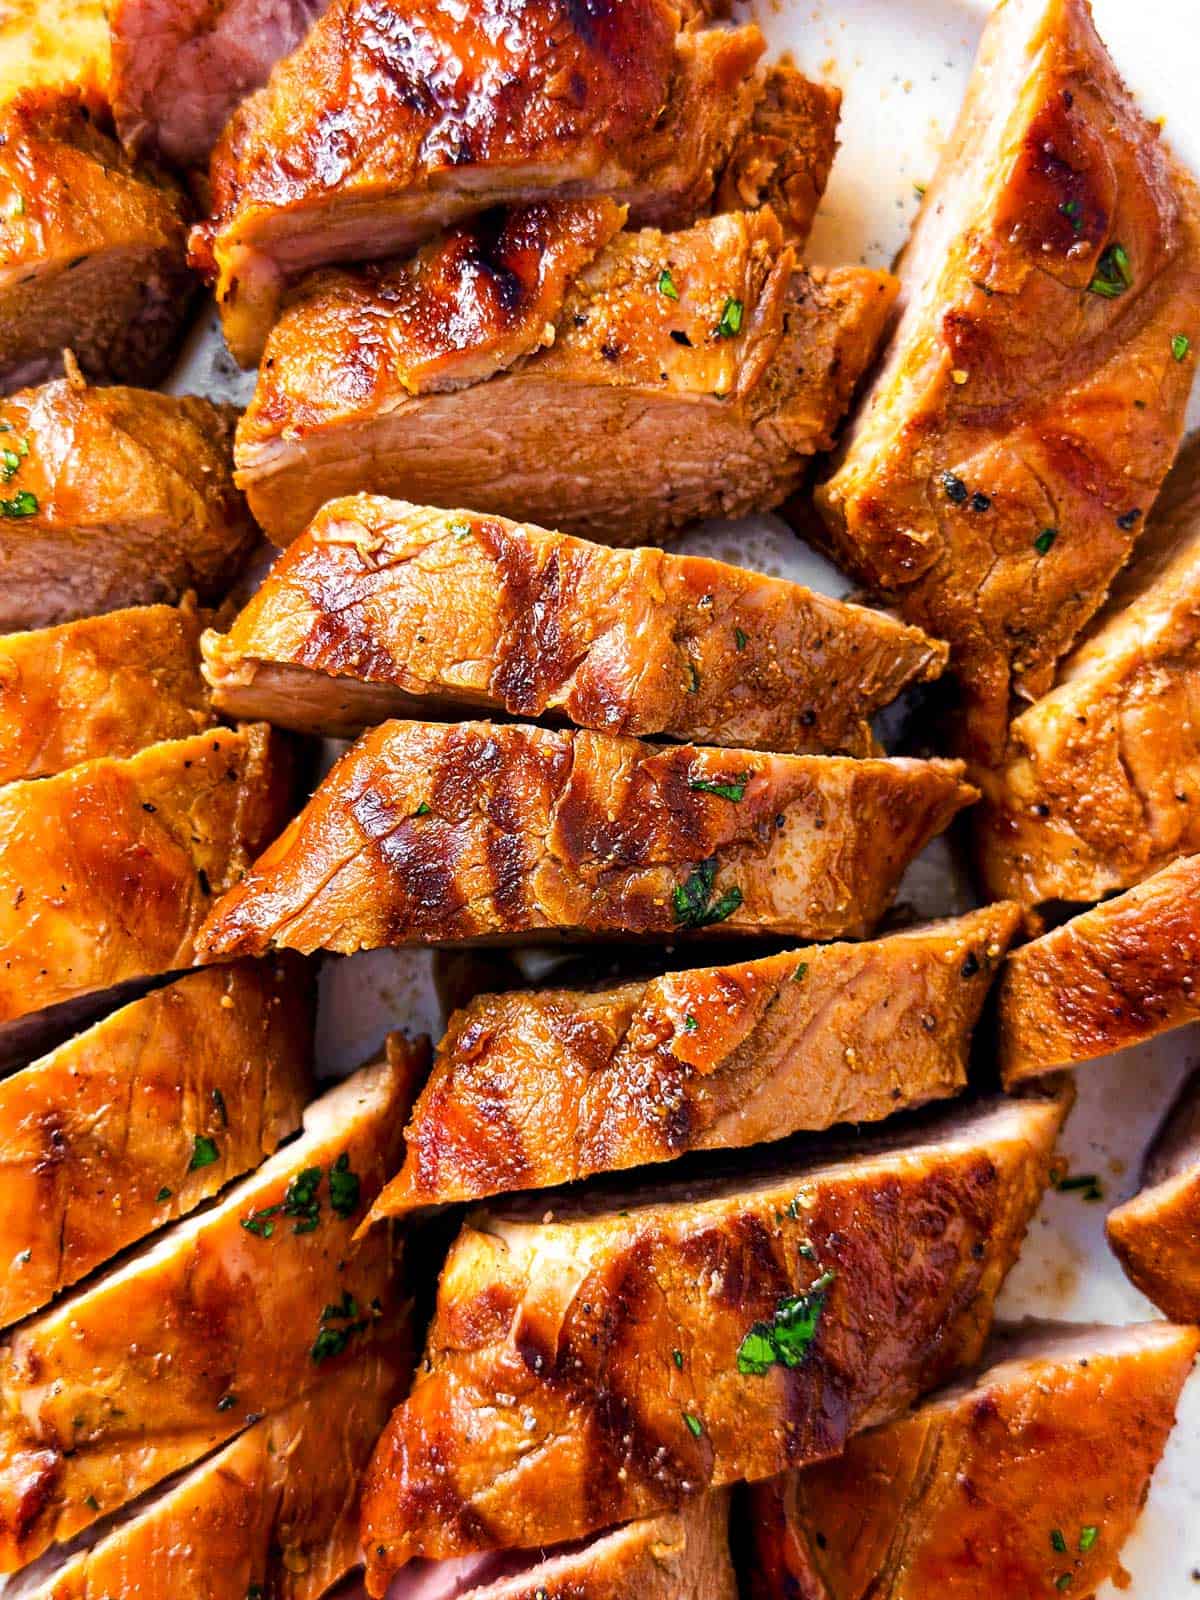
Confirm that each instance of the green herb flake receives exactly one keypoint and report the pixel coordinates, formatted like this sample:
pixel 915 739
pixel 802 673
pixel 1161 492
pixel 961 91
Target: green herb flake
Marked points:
pixel 801 972
pixel 919 190
pixel 260 1223
pixel 786 1340
pixel 739 639
pixel 666 284
pixel 1058 1541
pixel 92 1503
pixel 694 1426
pixel 302 1201
pixel 690 1024
pixel 693 679
pixel 459 528
pixel 1086 1184
pixel 219 1106
pixel 204 1153
pixel 344 1187
pixel 1180 345
pixel 1113 273
pixel 677 1358
pixel 734 789
pixel 731 318
pixel 1073 211
pixel 10 462
pixel 22 504
pixel 693 903
pixel 423 809
pixel 1087 1537
pixel 1044 540
pixel 332 1340
pixel 1063 1581
pixel 163 1194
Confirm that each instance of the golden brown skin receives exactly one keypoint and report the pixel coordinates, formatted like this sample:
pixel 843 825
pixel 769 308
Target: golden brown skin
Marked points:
pixel 1156 1234
pixel 92 248
pixel 442 111
pixel 96 1138
pixel 965 1497
pixel 162 1359
pixel 426 833
pixel 1109 978
pixel 124 497
pixel 275 1512
pixel 384 609
pixel 690 374
pixel 534 1089
pixel 108 869
pixel 1101 780
pixel 550 1401
pixel 101 686
pixel 1017 434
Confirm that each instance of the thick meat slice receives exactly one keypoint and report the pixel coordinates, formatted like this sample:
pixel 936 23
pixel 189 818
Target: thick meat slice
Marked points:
pixel 426 833
pixel 114 497
pixel 1108 978
pixel 92 251
pixel 534 1089
pixel 98 1140
pixel 1154 1235
pixel 108 869
pixel 597 1359
pixel 1032 400
pixel 391 122
pixel 384 609
pixel 678 1555
pixel 684 375
pixel 273 1513
pixel 1025 1482
pixel 783 158
pixel 102 686
pixel 1101 781
pixel 234 1312
pixel 180 67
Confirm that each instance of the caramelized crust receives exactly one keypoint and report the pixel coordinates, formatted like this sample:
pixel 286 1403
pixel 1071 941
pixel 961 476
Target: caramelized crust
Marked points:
pixel 384 609
pixel 534 1089
pixel 1032 1475
pixel 96 1139
pixel 102 686
pixel 583 1368
pixel 426 834
pixel 92 250
pixel 1154 1234
pixel 1031 402
pixel 157 1362
pixel 273 1513
pixel 119 497
pixel 108 869
pixel 687 374
pixel 1107 979
pixel 1101 783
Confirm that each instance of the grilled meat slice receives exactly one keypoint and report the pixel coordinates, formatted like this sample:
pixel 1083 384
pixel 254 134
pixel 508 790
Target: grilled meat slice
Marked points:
pixel 1154 1234
pixel 601 1358
pixel 1031 402
pixel 1025 1482
pixel 273 1513
pixel 1107 979
pixel 427 833
pixel 107 869
pixel 53 44
pixel 442 114
pixel 384 609
pixel 1101 782
pixel 678 1555
pixel 683 375
pixel 97 1139
pixel 534 1089
pixel 102 686
pixel 234 1312
pixel 180 67
pixel 784 156
pixel 118 497
pixel 93 248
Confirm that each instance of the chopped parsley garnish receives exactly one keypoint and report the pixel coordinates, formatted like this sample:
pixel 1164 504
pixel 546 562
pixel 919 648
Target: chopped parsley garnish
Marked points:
pixel 800 972
pixel 92 1503
pixel 344 1187
pixel 731 318
pixel 204 1153
pixel 734 789
pixel 1044 540
pixel 218 1100
pixel 1087 1184
pixel 1058 1541
pixel 677 1358
pixel 694 1426
pixel 1088 1537
pixel 666 284
pixel 302 1201
pixel 163 1194
pixel 423 809
pixel 22 504
pixel 459 528
pixel 10 461
pixel 787 1339
pixel 693 902
pixel 690 1024
pixel 956 489
pixel 1180 345
pixel 259 1223
pixel 1113 273
pixel 1063 1582
pixel 739 638
pixel 1073 211
pixel 339 1324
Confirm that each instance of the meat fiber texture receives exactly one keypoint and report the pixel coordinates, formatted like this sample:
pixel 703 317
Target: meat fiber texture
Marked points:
pixel 383 609
pixel 425 833
pixel 1031 401
pixel 1154 1234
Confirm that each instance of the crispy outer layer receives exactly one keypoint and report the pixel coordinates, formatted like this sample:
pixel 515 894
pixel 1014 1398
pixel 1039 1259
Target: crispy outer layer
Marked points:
pixel 1106 979
pixel 108 869
pixel 96 1138
pixel 964 1497
pixel 427 833
pixel 583 1371
pixel 1024 419
pixel 534 1089
pixel 382 608
pixel 124 497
